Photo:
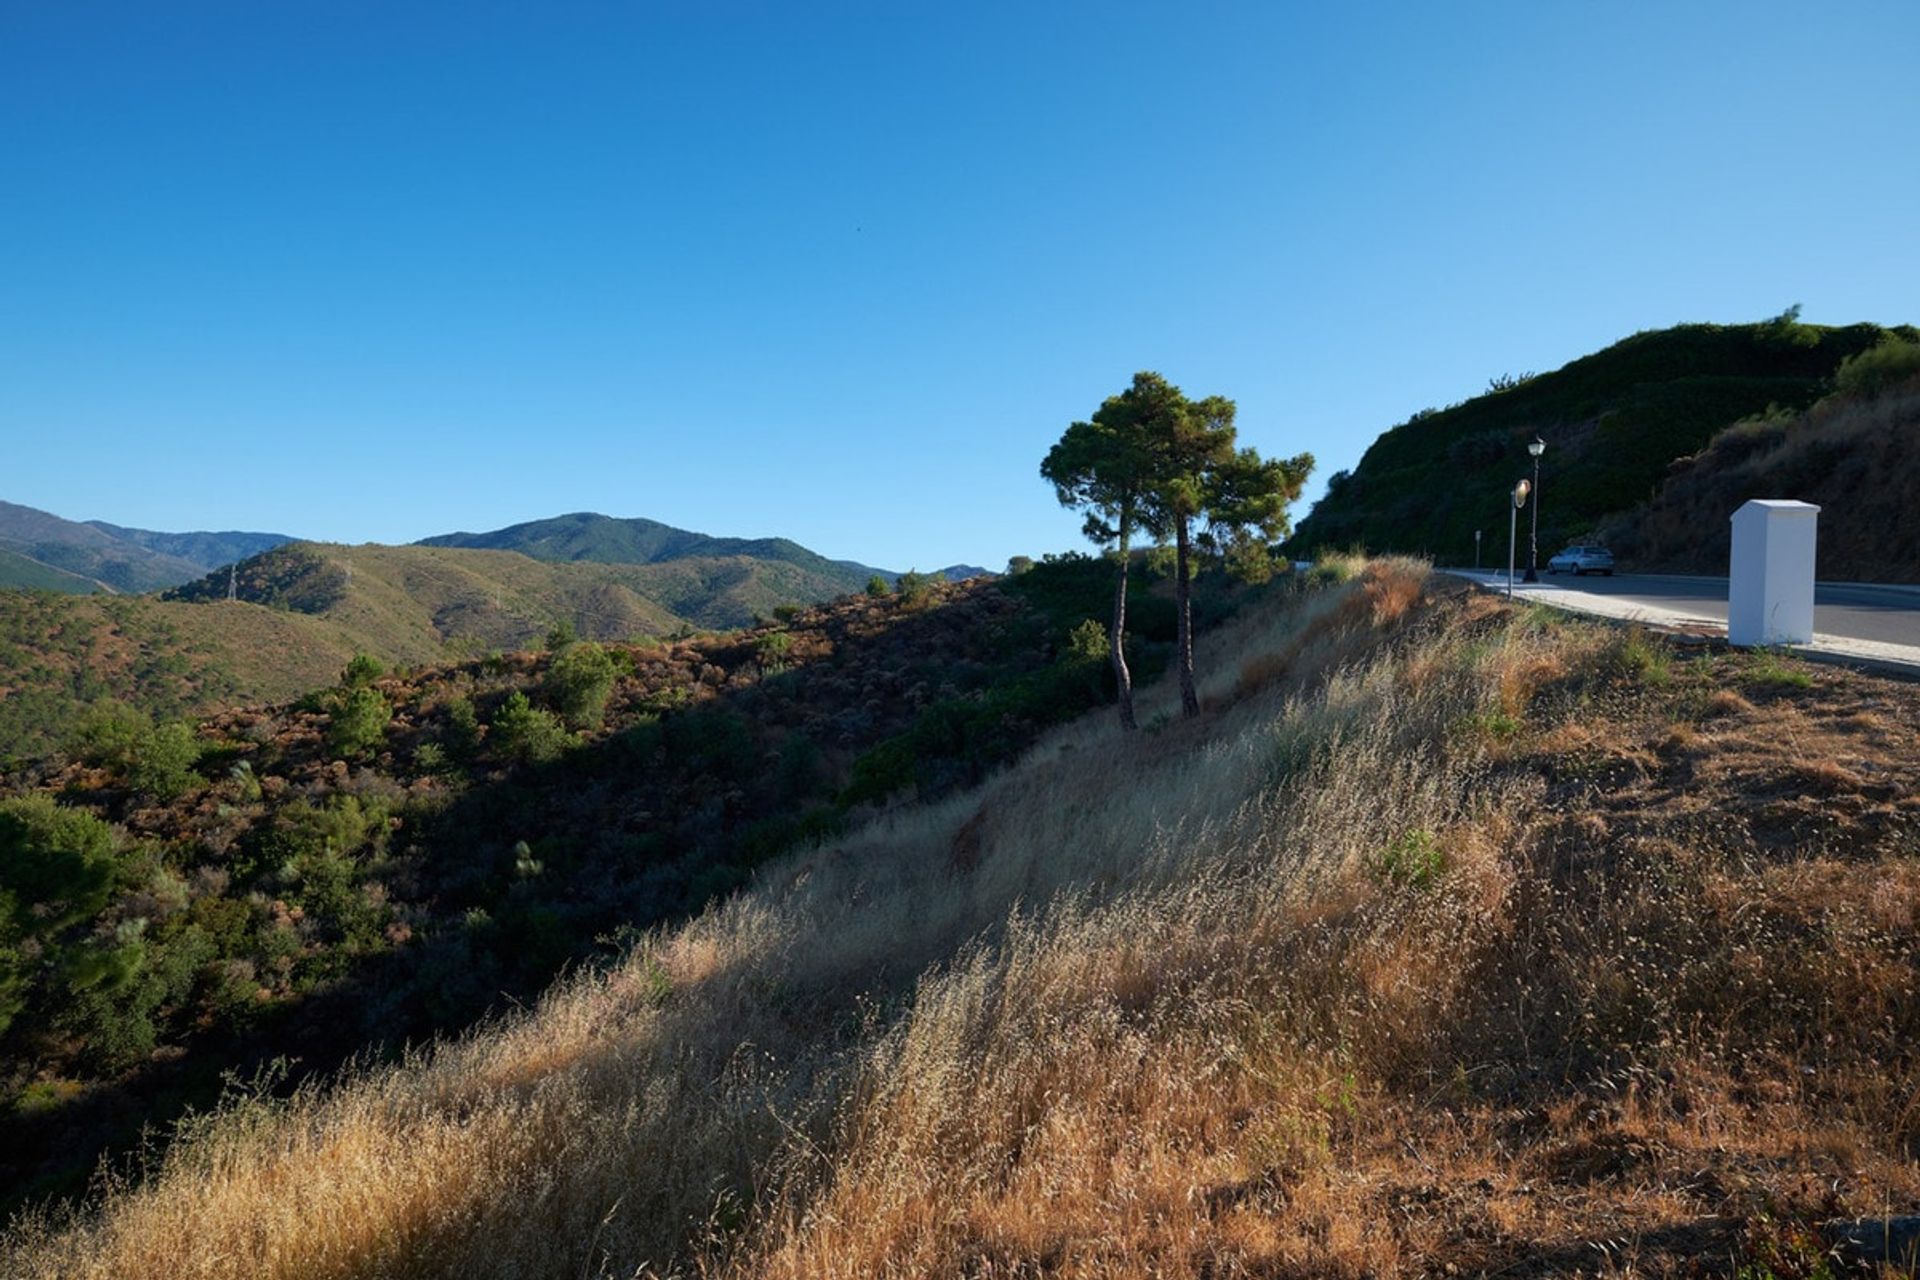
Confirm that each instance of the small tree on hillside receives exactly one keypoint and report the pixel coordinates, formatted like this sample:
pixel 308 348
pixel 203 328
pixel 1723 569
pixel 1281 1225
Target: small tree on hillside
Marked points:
pixel 578 683
pixel 1104 467
pixel 1188 443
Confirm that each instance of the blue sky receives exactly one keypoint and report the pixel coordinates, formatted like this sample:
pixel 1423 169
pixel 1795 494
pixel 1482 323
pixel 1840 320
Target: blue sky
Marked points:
pixel 370 272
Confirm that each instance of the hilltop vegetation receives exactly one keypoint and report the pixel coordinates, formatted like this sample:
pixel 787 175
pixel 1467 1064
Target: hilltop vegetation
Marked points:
pixel 1613 423
pixel 1448 939
pixel 389 856
pixel 1856 453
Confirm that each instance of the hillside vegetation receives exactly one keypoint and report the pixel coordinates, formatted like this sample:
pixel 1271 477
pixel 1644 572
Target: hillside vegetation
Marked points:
pixel 1613 423
pixel 304 609
pixel 383 859
pixel 1447 939
pixel 67 555
pixel 1856 453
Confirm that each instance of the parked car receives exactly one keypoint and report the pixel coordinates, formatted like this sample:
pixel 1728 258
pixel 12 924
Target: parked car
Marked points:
pixel 1582 559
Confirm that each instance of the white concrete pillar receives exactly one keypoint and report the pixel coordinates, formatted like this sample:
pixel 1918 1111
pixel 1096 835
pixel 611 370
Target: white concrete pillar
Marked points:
pixel 1770 579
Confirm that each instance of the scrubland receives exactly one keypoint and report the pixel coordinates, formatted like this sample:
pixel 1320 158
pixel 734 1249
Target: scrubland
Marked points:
pixel 1855 453
pixel 1448 939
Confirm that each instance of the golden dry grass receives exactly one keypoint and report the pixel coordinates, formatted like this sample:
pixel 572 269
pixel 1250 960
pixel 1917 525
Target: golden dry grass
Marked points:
pixel 1330 982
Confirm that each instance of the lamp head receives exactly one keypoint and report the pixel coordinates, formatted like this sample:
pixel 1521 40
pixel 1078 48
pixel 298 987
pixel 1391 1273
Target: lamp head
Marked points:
pixel 1538 447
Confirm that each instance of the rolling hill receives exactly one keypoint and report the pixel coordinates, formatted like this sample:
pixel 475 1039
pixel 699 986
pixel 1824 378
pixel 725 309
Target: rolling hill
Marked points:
pixel 1613 423
pixel 47 552
pixel 302 610
pixel 587 535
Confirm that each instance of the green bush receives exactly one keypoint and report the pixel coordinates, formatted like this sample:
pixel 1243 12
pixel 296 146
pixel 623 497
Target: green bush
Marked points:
pixel 56 870
pixel 162 763
pixel 914 588
pixel 463 728
pixel 563 634
pixel 877 587
pixel 525 734
pixel 770 652
pixel 358 724
pixel 578 683
pixel 363 670
pixel 1888 363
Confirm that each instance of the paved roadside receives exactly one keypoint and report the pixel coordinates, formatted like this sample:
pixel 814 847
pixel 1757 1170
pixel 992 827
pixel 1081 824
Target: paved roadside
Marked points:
pixel 1857 623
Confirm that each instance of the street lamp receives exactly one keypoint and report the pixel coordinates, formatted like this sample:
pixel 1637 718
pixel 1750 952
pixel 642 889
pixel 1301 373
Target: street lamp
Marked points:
pixel 1537 448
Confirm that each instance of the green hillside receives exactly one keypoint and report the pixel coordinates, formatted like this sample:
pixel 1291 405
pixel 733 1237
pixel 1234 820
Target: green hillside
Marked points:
pixel 92 555
pixel 1856 454
pixel 1613 422
pixel 44 552
pixel 304 609
pixel 586 535
pixel 493 820
pixel 24 573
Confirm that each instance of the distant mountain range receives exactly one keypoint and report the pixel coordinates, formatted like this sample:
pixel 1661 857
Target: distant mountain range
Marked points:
pixel 43 551
pixel 302 609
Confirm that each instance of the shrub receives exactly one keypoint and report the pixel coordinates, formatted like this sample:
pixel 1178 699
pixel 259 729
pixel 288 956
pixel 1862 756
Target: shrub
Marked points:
pixel 771 650
pixel 914 588
pixel 358 723
pixel 1886 364
pixel 578 683
pixel 1087 642
pixel 163 760
pixel 463 728
pixel 110 733
pixel 524 733
pixel 877 587
pixel 56 869
pixel 363 670
pixel 562 634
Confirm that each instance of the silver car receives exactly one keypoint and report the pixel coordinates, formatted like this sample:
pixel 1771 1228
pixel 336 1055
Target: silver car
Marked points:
pixel 1581 559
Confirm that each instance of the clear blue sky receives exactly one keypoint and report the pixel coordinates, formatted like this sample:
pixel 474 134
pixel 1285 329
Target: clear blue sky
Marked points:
pixel 843 272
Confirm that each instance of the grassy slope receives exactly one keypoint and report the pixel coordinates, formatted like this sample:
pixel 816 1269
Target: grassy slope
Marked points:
pixel 1858 458
pixel 1448 938
pixel 716 753
pixel 1613 422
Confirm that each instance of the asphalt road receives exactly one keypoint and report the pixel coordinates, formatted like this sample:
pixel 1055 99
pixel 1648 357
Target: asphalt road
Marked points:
pixel 1885 615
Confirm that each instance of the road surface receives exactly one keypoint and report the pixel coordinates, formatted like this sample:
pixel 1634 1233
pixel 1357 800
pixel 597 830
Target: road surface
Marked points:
pixel 1865 617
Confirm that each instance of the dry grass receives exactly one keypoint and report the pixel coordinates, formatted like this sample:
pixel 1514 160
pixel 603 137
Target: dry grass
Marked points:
pixel 1333 981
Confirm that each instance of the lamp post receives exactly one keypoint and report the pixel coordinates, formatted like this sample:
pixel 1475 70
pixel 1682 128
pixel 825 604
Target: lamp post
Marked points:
pixel 1537 448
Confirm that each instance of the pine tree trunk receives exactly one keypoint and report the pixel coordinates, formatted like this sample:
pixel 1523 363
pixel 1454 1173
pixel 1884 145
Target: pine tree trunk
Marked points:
pixel 1183 593
pixel 1122 676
